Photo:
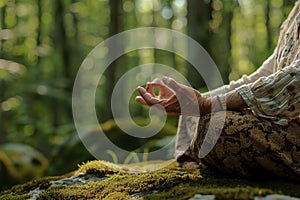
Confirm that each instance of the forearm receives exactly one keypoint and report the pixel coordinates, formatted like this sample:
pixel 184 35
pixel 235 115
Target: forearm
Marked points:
pixel 234 101
pixel 265 69
pixel 227 97
pixel 229 101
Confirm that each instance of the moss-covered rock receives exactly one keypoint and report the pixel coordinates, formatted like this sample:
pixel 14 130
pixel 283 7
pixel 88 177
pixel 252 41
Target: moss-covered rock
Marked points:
pixel 136 182
pixel 20 163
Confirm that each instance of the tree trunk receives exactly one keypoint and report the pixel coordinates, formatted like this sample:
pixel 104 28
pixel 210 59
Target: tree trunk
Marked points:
pixel 3 26
pixel 115 27
pixel 268 25
pixel 225 49
pixel 39 35
pixel 75 48
pixel 62 44
pixel 199 15
pixel 2 82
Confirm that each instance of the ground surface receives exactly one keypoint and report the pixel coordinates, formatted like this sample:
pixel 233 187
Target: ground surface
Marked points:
pixel 103 180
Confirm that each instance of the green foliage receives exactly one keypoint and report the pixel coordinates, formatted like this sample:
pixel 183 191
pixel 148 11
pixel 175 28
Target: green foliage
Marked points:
pixel 43 43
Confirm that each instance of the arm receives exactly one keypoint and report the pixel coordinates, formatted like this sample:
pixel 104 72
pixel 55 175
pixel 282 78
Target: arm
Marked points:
pixel 275 97
pixel 232 100
pixel 178 99
pixel 229 101
pixel 265 69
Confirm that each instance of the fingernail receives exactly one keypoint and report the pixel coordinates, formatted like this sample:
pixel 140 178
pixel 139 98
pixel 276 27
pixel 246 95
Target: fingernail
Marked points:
pixel 165 78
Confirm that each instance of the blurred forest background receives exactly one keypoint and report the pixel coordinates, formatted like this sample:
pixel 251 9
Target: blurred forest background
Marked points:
pixel 43 43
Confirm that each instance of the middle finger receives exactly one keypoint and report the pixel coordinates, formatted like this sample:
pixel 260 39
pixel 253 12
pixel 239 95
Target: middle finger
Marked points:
pixel 149 99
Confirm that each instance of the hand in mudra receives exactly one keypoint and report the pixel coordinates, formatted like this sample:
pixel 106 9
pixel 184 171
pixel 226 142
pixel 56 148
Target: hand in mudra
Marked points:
pixel 175 98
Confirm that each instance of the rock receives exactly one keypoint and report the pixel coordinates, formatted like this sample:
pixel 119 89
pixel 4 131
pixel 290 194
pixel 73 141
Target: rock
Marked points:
pixel 78 179
pixel 105 180
pixel 268 197
pixel 203 197
pixel 276 197
pixel 20 163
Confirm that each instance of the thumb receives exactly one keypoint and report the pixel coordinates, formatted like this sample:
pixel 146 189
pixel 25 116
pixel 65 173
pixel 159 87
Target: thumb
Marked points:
pixel 175 86
pixel 181 91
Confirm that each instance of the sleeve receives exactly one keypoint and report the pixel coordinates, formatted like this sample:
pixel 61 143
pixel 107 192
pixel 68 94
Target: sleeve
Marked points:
pixel 275 97
pixel 187 128
pixel 264 70
pixel 188 125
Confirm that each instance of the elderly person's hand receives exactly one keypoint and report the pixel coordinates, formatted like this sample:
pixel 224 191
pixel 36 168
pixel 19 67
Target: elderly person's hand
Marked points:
pixel 175 98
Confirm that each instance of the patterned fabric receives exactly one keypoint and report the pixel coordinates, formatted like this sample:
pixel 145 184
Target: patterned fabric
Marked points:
pixel 288 44
pixel 250 146
pixel 275 97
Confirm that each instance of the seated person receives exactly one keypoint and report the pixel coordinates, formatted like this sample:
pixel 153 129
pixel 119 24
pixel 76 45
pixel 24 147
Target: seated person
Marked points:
pixel 261 131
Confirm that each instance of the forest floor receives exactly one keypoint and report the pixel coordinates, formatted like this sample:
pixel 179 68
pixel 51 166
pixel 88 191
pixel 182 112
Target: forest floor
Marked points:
pixel 104 180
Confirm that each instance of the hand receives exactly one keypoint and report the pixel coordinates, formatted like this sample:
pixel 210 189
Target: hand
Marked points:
pixel 174 97
pixel 166 96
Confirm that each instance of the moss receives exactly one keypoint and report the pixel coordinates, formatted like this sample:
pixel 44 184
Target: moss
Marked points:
pixel 124 184
pixel 101 168
pixel 20 191
pixel 226 187
pixel 117 196
pixel 171 182
pixel 14 197
pixel 185 191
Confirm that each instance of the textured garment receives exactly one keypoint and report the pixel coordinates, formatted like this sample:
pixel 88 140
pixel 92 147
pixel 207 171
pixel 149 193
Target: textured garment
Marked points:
pixel 275 97
pixel 287 50
pixel 272 93
pixel 250 146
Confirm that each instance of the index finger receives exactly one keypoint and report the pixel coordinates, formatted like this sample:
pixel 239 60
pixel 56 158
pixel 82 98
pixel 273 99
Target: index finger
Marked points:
pixel 147 97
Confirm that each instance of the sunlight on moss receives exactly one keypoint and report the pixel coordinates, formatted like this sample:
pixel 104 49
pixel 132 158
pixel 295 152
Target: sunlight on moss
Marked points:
pixel 171 182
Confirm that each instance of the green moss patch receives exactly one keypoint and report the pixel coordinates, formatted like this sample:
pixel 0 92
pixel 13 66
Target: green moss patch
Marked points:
pixel 21 191
pixel 122 184
pixel 101 168
pixel 171 182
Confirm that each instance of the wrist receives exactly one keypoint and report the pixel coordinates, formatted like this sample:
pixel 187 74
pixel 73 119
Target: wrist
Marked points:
pixel 228 101
pixel 214 104
pixel 235 101
pixel 205 105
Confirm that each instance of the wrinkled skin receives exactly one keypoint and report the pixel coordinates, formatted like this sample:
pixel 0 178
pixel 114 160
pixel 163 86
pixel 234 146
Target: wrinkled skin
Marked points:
pixel 173 97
